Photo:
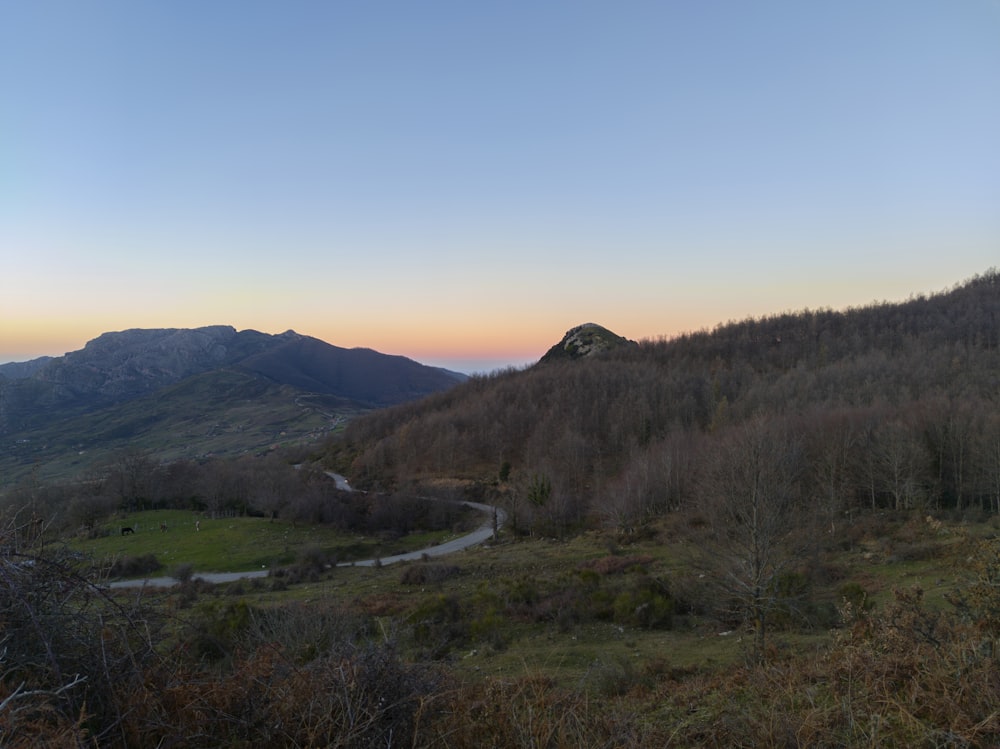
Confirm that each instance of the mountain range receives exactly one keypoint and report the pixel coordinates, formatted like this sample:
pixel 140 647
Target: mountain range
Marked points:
pixel 191 392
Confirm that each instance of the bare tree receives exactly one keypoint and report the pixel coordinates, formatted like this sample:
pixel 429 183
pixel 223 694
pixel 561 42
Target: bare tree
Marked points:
pixel 626 504
pixel 131 473
pixel 748 491
pixel 901 461
pixel 988 449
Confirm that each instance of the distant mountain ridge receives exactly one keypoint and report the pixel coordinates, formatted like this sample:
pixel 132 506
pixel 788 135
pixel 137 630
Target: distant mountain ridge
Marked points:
pixel 103 380
pixel 120 365
pixel 18 370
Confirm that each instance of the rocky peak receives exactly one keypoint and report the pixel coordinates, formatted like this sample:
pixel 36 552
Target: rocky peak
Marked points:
pixel 585 340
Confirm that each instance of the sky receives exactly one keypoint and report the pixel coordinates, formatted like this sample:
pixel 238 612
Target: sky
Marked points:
pixel 462 182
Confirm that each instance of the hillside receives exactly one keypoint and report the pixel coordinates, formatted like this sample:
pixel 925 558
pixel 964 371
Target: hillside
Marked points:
pixel 890 404
pixel 189 393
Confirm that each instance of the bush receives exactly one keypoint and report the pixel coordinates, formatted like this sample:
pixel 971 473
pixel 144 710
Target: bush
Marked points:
pixel 916 551
pixel 182 572
pixel 612 678
pixel 426 574
pixel 130 566
pixel 791 591
pixel 54 682
pixel 614 565
pixel 218 629
pixel 312 559
pixel 855 596
pixel 645 604
pixel 438 625
pixel 353 697
pixel 489 627
pixel 302 632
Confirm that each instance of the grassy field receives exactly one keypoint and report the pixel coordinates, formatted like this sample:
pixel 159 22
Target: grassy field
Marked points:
pixel 517 604
pixel 235 544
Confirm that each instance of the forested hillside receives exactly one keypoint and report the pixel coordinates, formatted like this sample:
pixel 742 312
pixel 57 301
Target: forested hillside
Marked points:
pixel 888 405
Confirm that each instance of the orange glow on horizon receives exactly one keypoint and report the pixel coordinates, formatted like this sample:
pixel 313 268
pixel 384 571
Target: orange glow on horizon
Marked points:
pixel 464 332
pixel 514 340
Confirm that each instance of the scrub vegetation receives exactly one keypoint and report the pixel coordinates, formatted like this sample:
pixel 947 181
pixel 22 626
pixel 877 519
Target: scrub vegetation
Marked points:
pixel 782 532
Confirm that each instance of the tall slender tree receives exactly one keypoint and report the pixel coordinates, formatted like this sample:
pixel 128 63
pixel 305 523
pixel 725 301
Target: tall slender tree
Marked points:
pixel 749 492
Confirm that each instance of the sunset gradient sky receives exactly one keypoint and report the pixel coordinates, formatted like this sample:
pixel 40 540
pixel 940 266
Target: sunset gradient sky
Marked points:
pixel 461 182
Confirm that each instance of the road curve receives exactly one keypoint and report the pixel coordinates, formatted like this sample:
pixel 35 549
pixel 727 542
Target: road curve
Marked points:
pixel 482 534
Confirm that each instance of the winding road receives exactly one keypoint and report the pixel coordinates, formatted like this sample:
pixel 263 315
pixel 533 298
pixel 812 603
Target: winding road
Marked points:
pixel 482 534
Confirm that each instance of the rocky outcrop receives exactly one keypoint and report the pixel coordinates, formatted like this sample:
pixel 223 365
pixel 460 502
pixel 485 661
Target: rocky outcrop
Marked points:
pixel 583 341
pixel 132 362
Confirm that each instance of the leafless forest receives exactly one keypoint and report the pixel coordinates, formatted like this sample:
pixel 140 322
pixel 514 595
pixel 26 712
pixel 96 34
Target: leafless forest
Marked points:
pixel 890 406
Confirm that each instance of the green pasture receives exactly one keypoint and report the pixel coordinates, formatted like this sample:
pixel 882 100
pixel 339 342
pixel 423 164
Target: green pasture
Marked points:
pixel 234 544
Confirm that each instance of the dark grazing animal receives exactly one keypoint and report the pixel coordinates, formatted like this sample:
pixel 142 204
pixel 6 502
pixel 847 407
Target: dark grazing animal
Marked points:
pixel 126 530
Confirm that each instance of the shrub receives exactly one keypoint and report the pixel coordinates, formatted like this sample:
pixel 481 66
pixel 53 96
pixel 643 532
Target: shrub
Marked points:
pixel 612 678
pixel 489 627
pixel 54 683
pixel 519 593
pixel 855 596
pixel 791 592
pixel 312 559
pixel 427 574
pixel 613 565
pixel 917 551
pixel 529 711
pixel 438 625
pixel 218 628
pixel 182 572
pixel 353 697
pixel 302 632
pixel 132 566
pixel 646 604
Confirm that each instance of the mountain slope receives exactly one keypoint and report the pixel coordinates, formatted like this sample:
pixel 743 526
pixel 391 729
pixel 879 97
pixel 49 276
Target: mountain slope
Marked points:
pixel 360 374
pixel 920 377
pixel 192 392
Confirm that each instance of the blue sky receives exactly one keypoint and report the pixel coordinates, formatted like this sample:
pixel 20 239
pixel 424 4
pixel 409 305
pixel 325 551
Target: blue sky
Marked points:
pixel 463 182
